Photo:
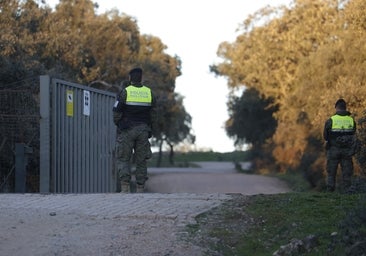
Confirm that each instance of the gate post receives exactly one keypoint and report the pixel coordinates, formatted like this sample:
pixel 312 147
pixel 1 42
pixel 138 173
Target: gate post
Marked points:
pixel 45 140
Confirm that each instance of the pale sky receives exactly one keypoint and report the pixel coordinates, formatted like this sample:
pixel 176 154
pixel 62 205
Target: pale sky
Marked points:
pixel 193 30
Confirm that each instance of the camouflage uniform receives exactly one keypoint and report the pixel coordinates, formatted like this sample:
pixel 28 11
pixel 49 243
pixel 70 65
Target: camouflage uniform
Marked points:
pixel 129 140
pixel 133 117
pixel 340 146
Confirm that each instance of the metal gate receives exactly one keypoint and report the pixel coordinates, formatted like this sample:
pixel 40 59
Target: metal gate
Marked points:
pixel 77 138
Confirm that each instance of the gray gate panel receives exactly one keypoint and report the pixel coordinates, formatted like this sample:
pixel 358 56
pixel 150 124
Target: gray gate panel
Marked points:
pixel 82 143
pixel 86 169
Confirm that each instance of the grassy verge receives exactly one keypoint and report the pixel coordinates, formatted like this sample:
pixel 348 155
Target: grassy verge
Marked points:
pixel 295 182
pixel 306 223
pixel 282 218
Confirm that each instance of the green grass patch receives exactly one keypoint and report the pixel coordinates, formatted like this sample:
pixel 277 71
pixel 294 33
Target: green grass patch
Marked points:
pixel 295 215
pixel 295 181
pixel 260 225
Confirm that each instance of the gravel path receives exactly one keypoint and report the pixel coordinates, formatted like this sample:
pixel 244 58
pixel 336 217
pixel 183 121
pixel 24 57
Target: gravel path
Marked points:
pixel 152 223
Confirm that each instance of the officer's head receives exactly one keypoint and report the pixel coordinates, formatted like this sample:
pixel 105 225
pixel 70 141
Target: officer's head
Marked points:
pixel 341 104
pixel 135 75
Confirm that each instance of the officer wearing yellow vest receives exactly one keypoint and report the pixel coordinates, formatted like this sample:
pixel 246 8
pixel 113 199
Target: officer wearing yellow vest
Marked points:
pixel 339 134
pixel 133 114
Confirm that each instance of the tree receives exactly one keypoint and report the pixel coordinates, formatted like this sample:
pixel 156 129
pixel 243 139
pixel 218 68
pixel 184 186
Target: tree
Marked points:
pixel 250 118
pixel 251 121
pixel 174 123
pixel 304 58
pixel 21 40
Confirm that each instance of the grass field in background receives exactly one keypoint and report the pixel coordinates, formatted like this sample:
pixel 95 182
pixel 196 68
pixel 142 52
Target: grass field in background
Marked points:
pixel 185 159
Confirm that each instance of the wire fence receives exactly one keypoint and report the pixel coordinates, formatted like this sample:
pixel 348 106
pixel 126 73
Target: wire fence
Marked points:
pixel 19 123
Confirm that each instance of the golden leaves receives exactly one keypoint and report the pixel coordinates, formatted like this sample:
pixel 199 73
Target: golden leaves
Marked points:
pixel 305 59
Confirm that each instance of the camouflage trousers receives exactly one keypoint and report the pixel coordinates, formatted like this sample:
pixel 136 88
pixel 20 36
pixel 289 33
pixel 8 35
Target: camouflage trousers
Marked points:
pixel 133 142
pixel 339 156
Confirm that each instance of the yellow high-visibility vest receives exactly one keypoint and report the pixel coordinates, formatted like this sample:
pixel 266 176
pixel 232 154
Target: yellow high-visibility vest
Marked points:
pixel 138 96
pixel 342 123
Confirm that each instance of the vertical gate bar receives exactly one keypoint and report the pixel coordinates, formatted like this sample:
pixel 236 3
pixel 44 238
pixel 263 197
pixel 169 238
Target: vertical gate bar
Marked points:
pixel 102 146
pixel 95 147
pixel 68 137
pixel 106 170
pixel 78 146
pixel 55 138
pixel 103 151
pixel 91 159
pixel 77 141
pixel 57 106
pixel 63 151
pixel 82 165
pixel 111 143
pixel 86 144
pixel 73 140
pixel 77 116
pixel 111 147
pixel 98 152
pixel 103 136
pixel 61 127
pixel 99 148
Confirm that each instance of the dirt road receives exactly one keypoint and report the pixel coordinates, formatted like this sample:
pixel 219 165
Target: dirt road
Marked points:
pixel 113 224
pixel 211 177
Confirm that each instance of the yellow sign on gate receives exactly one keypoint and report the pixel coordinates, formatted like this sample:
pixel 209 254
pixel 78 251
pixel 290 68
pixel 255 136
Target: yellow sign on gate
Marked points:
pixel 69 103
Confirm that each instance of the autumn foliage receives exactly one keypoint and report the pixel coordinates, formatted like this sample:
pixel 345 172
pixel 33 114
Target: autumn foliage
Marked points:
pixel 303 57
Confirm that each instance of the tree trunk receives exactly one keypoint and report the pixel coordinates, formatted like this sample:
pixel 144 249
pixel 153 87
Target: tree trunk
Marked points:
pixel 171 154
pixel 160 155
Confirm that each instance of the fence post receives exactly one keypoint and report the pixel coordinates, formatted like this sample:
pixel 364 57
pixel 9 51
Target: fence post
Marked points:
pixel 21 161
pixel 45 140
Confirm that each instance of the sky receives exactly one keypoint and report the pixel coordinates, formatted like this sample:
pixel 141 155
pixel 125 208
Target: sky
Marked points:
pixel 193 30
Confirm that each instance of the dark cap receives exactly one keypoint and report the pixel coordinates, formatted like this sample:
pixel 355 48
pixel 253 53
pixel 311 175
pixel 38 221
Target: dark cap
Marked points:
pixel 135 71
pixel 341 104
pixel 135 75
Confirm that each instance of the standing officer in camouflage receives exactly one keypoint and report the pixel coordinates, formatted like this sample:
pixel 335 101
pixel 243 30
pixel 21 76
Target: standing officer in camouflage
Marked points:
pixel 339 134
pixel 133 113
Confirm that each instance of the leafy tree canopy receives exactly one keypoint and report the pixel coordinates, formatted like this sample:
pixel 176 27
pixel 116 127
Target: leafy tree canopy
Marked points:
pixel 303 57
pixel 73 43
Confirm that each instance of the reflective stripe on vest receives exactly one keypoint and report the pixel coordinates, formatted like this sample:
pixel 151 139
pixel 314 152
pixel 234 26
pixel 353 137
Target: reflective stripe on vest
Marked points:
pixel 138 96
pixel 342 123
